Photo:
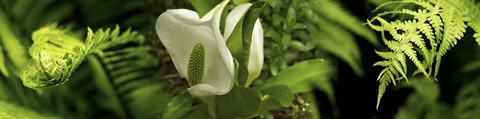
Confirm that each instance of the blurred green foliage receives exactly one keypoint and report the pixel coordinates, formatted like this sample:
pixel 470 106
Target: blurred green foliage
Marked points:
pixel 126 73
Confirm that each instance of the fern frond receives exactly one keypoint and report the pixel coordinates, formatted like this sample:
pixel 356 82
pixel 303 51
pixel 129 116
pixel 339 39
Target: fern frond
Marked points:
pixel 335 27
pixel 454 27
pixel 383 63
pixel 332 10
pixel 56 53
pixel 434 23
pixel 384 81
pixel 468 8
pixel 125 70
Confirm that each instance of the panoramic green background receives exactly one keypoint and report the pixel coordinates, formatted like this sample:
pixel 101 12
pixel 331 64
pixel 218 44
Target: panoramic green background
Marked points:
pixel 103 59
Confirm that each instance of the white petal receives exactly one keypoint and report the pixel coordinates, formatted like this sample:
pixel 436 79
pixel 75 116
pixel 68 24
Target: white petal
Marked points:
pixel 233 17
pixel 202 90
pixel 180 29
pixel 255 61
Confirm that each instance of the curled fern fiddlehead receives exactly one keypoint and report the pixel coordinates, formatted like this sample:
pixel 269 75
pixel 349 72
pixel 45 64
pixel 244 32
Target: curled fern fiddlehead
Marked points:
pixel 55 55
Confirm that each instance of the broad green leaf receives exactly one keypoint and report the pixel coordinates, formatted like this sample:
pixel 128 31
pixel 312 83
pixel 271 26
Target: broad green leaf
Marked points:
pixel 147 100
pixel 203 6
pixel 267 104
pixel 199 111
pixel 303 86
pixel 238 103
pixel 241 37
pixel 301 72
pixel 177 107
pixel 11 111
pixel 281 93
pixel 275 97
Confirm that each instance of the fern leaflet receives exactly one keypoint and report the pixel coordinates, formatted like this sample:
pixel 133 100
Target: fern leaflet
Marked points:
pixel 423 35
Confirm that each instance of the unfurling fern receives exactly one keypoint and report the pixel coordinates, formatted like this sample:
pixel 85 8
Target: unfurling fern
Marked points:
pixel 56 53
pixel 423 36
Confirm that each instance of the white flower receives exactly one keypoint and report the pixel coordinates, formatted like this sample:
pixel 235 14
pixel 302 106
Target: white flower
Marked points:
pixel 180 30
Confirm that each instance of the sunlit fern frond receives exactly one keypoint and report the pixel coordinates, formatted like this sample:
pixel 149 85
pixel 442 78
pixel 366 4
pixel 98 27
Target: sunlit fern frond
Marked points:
pixel 423 35
pixel 471 8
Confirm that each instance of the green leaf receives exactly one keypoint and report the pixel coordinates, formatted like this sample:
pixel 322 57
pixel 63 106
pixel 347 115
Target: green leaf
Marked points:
pixel 238 103
pixel 203 6
pixel 384 81
pixel 281 93
pixel 275 97
pixel 302 72
pixel 11 111
pixel 177 107
pixel 241 37
pixel 199 111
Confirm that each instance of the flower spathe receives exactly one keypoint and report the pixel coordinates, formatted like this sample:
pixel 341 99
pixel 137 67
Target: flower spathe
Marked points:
pixel 180 30
pixel 255 57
